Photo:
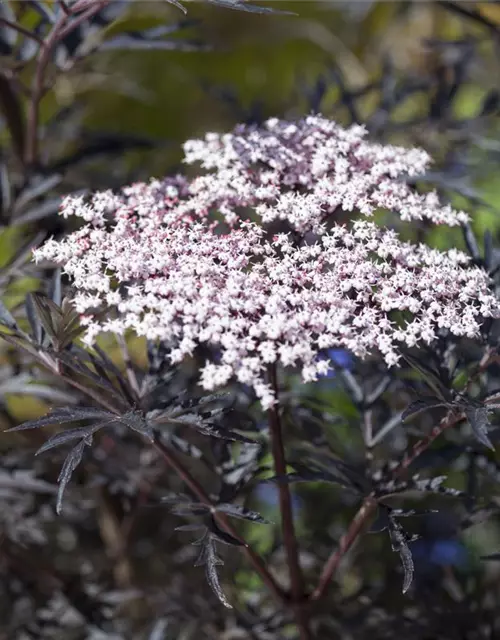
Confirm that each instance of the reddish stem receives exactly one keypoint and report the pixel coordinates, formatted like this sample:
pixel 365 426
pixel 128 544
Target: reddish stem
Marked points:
pixel 20 29
pixel 287 525
pixel 59 31
pixel 369 505
pixel 350 536
pixel 422 445
pixel 37 90
pixel 256 561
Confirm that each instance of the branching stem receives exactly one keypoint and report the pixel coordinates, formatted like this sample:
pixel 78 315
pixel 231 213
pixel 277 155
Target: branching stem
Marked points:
pixel 258 564
pixel 65 24
pixel 369 505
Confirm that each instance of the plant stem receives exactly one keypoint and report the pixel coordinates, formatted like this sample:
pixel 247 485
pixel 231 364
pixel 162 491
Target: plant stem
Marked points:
pixel 58 32
pixel 256 561
pixel 422 445
pixel 369 505
pixel 287 525
pixel 20 29
pixel 355 528
pixel 31 151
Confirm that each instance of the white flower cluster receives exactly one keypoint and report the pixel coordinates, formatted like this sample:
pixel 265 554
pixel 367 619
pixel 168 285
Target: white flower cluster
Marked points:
pixel 154 256
pixel 305 171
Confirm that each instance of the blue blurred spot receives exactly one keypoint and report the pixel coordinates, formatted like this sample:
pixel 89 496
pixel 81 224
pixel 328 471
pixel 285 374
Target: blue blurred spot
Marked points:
pixel 448 552
pixel 339 357
pixel 438 553
pixel 267 493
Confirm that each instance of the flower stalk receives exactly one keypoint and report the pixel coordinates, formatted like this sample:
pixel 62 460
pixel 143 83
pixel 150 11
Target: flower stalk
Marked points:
pixel 285 502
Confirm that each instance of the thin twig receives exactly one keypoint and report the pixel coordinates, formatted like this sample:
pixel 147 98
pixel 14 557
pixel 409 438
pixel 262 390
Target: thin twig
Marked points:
pixel 37 90
pixel 256 561
pixel 20 29
pixel 357 525
pixel 64 7
pixel 422 445
pixel 285 502
pixel 58 32
pixel 89 13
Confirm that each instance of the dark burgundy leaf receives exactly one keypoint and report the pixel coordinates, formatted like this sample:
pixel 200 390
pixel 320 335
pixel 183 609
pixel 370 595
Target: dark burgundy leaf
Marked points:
pixel 80 433
pixel 72 461
pixel 190 509
pixel 399 541
pixel 480 423
pixel 223 536
pixel 237 511
pixel 420 405
pixel 64 415
pixel 209 559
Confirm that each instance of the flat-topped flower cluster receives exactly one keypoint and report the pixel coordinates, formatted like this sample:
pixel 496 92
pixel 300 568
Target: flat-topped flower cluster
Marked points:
pixel 155 257
pixel 304 171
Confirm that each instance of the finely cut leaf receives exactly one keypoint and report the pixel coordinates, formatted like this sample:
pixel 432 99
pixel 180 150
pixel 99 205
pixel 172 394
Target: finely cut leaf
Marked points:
pixel 223 536
pixel 190 527
pixel 190 509
pixel 84 433
pixel 399 542
pixel 208 558
pixel 72 361
pixel 55 292
pixel 201 424
pixel 22 384
pixel 237 511
pixel 178 5
pixel 70 464
pixel 310 476
pixel 33 319
pixel 142 44
pixel 213 581
pixel 423 404
pixel 408 566
pixel 430 377
pixel 22 344
pixel 65 415
pixel 47 312
pixel 479 422
pixel 175 498
pixel 136 421
pixel 345 475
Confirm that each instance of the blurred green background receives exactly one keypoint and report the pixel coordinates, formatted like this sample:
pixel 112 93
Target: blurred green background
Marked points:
pixel 266 59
